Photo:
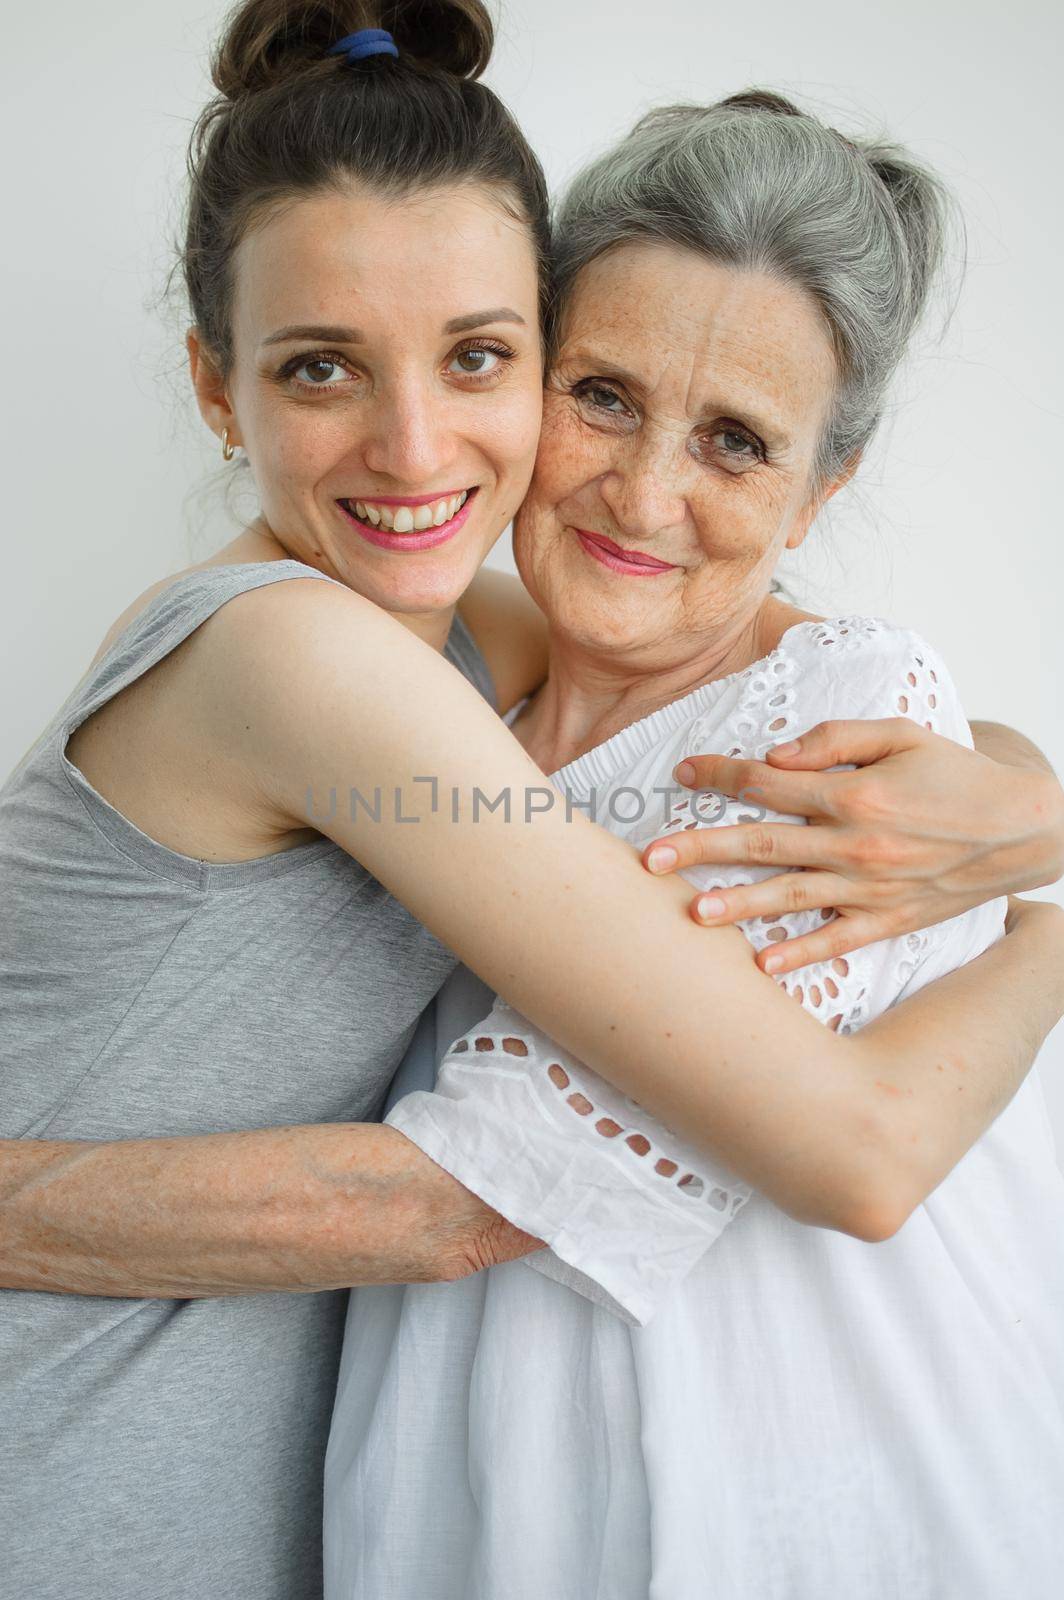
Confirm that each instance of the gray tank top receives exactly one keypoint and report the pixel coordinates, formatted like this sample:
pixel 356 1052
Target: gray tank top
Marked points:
pixel 174 1448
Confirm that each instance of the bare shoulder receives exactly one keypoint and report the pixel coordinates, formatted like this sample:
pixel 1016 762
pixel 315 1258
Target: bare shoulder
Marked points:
pixel 510 632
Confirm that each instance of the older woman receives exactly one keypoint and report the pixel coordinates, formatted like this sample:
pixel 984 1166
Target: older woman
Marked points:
pixel 804 1416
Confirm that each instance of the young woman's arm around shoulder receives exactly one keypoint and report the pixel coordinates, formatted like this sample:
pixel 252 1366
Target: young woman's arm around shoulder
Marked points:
pixel 354 724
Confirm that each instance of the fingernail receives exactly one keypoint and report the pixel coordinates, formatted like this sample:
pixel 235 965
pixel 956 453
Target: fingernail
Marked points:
pixel 791 748
pixel 684 773
pixel 662 858
pixel 710 905
pixel 772 963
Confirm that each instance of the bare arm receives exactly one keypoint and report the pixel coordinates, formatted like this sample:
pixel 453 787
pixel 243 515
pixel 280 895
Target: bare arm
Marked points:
pixel 303 1208
pixel 951 1058
pixel 679 1019
pixel 1011 748
pixel 801 1114
pixel 310 1208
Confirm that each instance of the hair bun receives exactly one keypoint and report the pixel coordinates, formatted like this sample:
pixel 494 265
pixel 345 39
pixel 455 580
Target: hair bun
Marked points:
pixel 455 36
pixel 267 42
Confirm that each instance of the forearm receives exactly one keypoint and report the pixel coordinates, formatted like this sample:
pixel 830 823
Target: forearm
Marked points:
pixel 1033 855
pixel 296 1208
pixel 944 1064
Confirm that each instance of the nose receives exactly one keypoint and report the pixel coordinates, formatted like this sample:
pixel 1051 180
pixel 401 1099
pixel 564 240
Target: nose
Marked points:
pixel 643 488
pixel 408 438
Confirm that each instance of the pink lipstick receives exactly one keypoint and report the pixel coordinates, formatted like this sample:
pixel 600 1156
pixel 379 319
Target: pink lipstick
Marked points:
pixel 633 563
pixel 424 539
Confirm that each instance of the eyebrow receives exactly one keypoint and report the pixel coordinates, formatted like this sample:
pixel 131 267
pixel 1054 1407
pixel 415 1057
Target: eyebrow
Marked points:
pixel 326 334
pixel 765 427
pixel 480 319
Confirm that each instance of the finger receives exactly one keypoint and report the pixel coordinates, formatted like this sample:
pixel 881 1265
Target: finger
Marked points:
pixel 831 943
pixel 854 743
pixel 787 891
pixel 784 844
pixel 761 787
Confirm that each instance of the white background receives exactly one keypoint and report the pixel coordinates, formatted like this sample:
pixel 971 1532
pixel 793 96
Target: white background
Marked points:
pixel 110 481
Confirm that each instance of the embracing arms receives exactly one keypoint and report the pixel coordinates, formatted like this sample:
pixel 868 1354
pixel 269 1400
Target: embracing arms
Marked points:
pixel 558 917
pixel 845 1132
pixel 301 1208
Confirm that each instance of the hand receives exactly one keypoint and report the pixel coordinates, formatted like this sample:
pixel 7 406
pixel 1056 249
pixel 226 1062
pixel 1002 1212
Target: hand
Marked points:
pixel 923 830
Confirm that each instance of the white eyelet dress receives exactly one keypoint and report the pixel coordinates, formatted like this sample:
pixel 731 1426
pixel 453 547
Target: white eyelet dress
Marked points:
pixel 691 1396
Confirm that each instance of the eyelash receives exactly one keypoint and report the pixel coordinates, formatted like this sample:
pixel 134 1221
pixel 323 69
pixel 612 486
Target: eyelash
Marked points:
pixel 583 389
pixel 286 373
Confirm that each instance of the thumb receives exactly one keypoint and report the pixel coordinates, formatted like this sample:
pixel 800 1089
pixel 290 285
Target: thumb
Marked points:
pixel 851 743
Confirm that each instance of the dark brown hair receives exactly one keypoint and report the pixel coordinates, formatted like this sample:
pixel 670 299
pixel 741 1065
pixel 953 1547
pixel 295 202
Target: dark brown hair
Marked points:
pixel 291 119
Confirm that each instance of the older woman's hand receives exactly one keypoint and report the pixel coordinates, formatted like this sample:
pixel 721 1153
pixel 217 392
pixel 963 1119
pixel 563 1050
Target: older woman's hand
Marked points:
pixel 923 830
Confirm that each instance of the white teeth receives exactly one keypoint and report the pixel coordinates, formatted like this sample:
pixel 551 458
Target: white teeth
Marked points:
pixel 408 519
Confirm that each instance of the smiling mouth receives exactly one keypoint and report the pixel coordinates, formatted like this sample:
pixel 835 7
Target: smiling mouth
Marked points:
pixel 636 561
pixel 394 518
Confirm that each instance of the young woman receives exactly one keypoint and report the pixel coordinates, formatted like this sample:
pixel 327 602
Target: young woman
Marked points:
pixel 211 971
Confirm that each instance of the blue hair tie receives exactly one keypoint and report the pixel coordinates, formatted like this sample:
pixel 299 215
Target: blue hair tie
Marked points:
pixel 366 42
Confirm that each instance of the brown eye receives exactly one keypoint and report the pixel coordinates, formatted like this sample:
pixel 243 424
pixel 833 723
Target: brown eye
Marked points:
pixel 480 360
pixel 320 370
pixel 475 362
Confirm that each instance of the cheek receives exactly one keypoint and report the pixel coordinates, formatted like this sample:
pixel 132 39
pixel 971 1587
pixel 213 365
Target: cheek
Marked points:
pixel 510 429
pixel 570 454
pixel 291 446
pixel 744 518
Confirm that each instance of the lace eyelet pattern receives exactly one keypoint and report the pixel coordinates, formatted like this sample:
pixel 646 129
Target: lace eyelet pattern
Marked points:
pixel 836 991
pixel 642 1139
pixel 851 666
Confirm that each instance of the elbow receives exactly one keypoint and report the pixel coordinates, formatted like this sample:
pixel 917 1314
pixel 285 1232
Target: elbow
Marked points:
pixel 879 1205
pixel 860 1210
pixel 867 1195
pixel 874 1219
pixel 876 1191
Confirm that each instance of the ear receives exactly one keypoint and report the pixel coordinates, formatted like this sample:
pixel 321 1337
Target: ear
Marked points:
pixel 211 396
pixel 804 521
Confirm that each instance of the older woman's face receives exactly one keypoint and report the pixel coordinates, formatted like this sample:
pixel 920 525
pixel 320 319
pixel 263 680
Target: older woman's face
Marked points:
pixel 680 427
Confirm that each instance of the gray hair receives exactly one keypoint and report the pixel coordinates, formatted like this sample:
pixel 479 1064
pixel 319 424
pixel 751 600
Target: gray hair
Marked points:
pixel 758 184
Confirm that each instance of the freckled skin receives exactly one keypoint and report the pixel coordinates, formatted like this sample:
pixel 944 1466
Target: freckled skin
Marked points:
pixel 400 421
pixel 689 350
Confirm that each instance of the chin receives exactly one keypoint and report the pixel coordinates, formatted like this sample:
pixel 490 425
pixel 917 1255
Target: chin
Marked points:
pixel 413 591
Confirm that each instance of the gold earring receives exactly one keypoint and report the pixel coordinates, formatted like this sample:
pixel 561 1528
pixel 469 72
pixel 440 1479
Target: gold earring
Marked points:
pixel 228 450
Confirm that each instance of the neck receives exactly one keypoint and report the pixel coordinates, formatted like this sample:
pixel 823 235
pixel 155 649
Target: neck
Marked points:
pixel 592 693
pixel 260 543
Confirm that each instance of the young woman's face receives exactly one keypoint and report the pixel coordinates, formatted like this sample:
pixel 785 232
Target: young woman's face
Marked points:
pixel 386 384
